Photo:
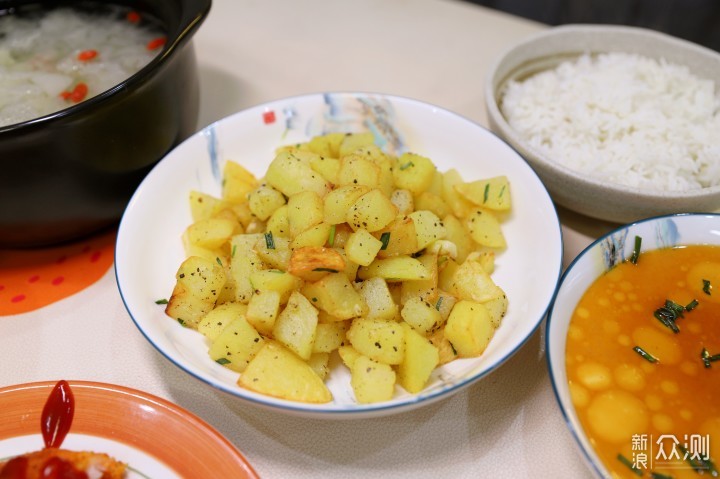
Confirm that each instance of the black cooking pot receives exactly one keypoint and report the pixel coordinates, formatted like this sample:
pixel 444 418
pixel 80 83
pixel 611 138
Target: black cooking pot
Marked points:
pixel 71 173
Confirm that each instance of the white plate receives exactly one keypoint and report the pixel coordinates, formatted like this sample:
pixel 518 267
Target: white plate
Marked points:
pixel 149 248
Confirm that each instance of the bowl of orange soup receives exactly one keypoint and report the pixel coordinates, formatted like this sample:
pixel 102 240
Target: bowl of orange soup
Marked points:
pixel 633 348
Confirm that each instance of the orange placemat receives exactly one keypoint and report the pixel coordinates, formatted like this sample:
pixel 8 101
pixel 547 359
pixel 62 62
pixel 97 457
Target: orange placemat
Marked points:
pixel 31 279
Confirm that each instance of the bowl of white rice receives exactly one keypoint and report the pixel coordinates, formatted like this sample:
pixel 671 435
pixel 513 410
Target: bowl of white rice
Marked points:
pixel 621 123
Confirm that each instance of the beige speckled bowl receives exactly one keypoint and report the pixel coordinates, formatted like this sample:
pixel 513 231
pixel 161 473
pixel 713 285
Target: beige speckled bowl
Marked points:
pixel 581 192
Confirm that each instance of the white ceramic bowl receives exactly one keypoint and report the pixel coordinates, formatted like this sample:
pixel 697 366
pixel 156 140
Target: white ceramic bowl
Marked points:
pixel 578 191
pixel 594 261
pixel 149 248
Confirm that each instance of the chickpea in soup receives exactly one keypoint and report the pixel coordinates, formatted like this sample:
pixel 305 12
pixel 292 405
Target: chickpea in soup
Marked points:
pixel 643 364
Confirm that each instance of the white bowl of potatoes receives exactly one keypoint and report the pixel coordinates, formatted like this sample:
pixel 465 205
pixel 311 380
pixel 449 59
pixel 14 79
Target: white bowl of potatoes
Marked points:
pixel 339 255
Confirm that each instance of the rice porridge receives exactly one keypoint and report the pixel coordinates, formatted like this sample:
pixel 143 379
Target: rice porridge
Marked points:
pixel 53 59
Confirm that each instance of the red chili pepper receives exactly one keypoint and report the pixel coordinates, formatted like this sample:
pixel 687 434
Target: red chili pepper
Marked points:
pixel 133 17
pixel 57 414
pixel 156 43
pixel 87 55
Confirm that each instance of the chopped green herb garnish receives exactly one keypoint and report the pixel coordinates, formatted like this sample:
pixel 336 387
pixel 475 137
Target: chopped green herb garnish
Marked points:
pixel 407 165
pixel 181 321
pixel 218 260
pixel 385 239
pixel 707 287
pixel 707 359
pixel 645 354
pixel 329 270
pixel 629 464
pixel 502 191
pixel 439 303
pixel 161 301
pixel 692 305
pixel 269 241
pixel 331 237
pixel 232 253
pixel 486 192
pixel 636 250
pixel 669 314
pixel 222 361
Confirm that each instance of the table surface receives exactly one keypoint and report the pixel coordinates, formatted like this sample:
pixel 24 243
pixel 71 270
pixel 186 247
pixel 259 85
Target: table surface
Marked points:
pixel 252 51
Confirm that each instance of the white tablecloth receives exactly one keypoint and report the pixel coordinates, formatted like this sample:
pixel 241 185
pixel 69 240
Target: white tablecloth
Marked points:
pixel 251 51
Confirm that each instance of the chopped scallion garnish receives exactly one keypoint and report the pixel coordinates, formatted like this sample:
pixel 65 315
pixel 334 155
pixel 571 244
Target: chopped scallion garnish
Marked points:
pixel 707 287
pixel 707 359
pixel 692 305
pixel 669 314
pixel 385 239
pixel 486 193
pixel 218 260
pixel 699 463
pixel 232 253
pixel 269 241
pixel 161 301
pixel 222 361
pixel 636 250
pixel 439 303
pixel 647 356
pixel 329 270
pixel 406 165
pixel 331 237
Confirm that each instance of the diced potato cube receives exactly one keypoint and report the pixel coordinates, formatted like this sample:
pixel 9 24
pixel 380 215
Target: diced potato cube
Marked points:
pixel 457 203
pixel 421 315
pixel 278 223
pixel 236 345
pixel 278 372
pixel 312 262
pixel 327 145
pixel 348 355
pixel 424 289
pixel 445 349
pixel 396 268
pixel 244 261
pixel 355 170
pixel 295 325
pixel 211 232
pixel 274 280
pixel 484 228
pixel 274 251
pixel 338 202
pixel 237 182
pixel 372 381
pixel 203 205
pixel 432 202
pixel 376 294
pixel 316 236
pixel 264 200
pixel 428 227
pixel 362 247
pixel 198 284
pixel 355 141
pixel 262 310
pixel 457 234
pixel 291 174
pixel 216 320
pixel 414 173
pixel 372 211
pixel 305 210
pixel 327 166
pixel 472 282
pixel 492 193
pixel 378 339
pixel 400 236
pixel 403 201
pixel 496 308
pixel 335 295
pixel 421 359
pixel 469 328
pixel 329 336
pixel 320 363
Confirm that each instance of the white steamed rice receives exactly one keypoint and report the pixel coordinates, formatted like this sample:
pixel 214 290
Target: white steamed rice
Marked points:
pixel 38 59
pixel 623 118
